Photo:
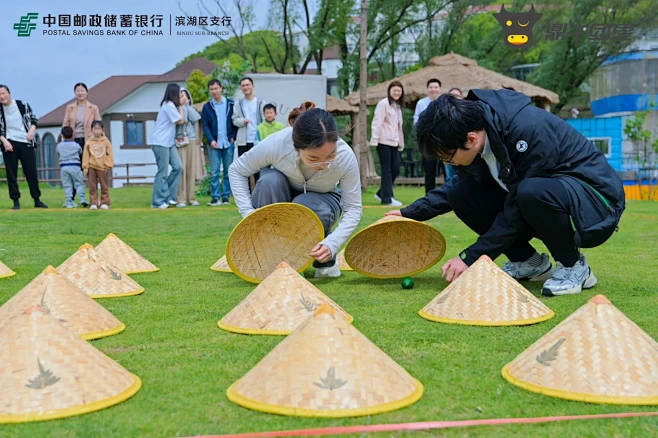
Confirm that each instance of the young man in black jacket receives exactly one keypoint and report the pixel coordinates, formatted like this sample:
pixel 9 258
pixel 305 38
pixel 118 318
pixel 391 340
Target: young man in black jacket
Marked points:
pixel 522 172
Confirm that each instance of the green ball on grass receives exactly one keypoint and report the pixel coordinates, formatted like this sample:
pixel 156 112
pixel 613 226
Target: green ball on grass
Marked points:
pixel 407 283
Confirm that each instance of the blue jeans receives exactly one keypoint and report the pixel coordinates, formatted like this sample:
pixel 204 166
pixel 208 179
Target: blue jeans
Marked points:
pixel 165 186
pixel 216 158
pixel 449 172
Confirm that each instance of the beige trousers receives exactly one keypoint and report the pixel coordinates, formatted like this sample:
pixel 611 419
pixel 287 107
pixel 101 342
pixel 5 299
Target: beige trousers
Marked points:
pixel 189 154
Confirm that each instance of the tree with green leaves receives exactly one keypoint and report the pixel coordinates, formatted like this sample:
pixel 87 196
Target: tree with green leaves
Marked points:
pixel 645 150
pixel 197 82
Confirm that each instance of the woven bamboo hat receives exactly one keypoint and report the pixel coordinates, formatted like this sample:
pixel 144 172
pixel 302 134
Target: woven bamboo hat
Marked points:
pixel 270 235
pixel 485 295
pixel 5 271
pixel 221 265
pixel 96 276
pixel 395 247
pixel 64 301
pixel 48 372
pixel 326 368
pixel 595 355
pixel 342 264
pixel 278 305
pixel 123 256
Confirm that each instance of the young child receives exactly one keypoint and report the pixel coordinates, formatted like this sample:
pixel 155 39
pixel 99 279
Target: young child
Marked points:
pixel 269 126
pixel 96 160
pixel 69 161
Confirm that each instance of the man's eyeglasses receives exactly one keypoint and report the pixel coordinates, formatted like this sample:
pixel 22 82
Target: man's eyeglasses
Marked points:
pixel 448 160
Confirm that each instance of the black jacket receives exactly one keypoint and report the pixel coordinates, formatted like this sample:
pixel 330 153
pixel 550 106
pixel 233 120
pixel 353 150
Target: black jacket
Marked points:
pixel 209 119
pixel 554 149
pixel 28 116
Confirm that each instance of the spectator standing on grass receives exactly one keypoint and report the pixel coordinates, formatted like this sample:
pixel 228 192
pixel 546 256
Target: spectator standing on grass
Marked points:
pixel 217 115
pixel 18 126
pixel 188 150
pixel 429 165
pixel 269 126
pixel 308 162
pixel 388 137
pixel 162 140
pixel 247 116
pixel 79 115
pixel 97 160
pixel 70 164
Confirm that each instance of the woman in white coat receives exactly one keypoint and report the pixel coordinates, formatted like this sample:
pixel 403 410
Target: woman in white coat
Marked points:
pixel 305 164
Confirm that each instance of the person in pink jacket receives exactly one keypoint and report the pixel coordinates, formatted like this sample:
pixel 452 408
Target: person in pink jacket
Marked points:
pixel 387 136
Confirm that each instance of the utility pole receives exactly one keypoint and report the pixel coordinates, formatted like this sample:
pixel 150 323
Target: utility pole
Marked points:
pixel 363 107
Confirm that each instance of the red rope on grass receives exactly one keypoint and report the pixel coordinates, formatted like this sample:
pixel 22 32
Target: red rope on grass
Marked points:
pixel 428 425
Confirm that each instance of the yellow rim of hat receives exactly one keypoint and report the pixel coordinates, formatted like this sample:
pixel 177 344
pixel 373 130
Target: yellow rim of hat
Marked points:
pixel 76 410
pixel 235 397
pixel 126 294
pixel 244 331
pixel 348 260
pixel 542 318
pixel 144 271
pixel 577 396
pixel 220 270
pixel 103 333
pixel 237 272
pixel 9 274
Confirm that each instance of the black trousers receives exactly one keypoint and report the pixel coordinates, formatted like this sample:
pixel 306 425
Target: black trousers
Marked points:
pixel 545 206
pixel 389 161
pixel 243 150
pixel 81 142
pixel 429 166
pixel 27 157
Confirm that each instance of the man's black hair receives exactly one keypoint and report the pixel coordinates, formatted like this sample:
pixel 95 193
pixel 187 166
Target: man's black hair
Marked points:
pixel 213 82
pixel 434 80
pixel 269 106
pixel 246 78
pixel 443 126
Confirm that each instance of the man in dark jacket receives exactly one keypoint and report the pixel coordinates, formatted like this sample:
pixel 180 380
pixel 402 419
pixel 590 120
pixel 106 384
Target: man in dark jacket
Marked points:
pixel 18 126
pixel 522 172
pixel 218 127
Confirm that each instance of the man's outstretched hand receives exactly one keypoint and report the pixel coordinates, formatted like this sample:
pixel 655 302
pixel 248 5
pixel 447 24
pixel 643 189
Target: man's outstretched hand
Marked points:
pixel 453 269
pixel 393 213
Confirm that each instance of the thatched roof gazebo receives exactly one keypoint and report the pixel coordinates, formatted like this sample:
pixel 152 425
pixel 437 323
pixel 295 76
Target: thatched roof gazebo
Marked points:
pixel 455 71
pixel 340 107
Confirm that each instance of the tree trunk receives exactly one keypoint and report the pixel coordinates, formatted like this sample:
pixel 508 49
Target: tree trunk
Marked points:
pixel 363 108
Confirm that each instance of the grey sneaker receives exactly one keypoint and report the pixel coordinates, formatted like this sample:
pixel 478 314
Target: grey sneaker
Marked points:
pixel 329 272
pixel 70 204
pixel 569 281
pixel 521 271
pixel 225 201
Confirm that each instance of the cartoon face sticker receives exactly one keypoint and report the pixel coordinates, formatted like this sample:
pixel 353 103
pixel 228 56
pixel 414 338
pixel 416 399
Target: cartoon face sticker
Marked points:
pixel 517 27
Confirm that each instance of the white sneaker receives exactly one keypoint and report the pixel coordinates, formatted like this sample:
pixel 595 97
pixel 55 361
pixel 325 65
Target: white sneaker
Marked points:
pixel 105 207
pixel 181 205
pixel 569 281
pixel 194 203
pixel 161 206
pixel 394 203
pixel 521 271
pixel 172 202
pixel 378 198
pixel 329 272
pixel 93 207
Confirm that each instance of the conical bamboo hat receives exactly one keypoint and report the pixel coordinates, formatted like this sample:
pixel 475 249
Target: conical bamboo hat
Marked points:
pixel 48 372
pixel 123 256
pixel 326 368
pixel 395 247
pixel 342 264
pixel 278 305
pixel 270 235
pixel 485 295
pixel 5 271
pixel 595 355
pixel 66 303
pixel 96 276
pixel 221 265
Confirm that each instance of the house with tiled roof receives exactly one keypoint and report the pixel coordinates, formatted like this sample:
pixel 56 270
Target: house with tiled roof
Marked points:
pixel 128 105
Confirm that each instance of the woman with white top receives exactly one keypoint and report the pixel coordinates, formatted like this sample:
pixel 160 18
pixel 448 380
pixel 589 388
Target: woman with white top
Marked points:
pixel 387 136
pixel 308 161
pixel 162 140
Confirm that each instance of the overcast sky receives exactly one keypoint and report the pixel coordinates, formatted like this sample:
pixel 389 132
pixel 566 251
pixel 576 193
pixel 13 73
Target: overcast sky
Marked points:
pixel 43 69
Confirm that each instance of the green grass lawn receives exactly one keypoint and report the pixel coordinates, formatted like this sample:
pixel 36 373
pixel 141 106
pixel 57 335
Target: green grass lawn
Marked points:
pixel 186 363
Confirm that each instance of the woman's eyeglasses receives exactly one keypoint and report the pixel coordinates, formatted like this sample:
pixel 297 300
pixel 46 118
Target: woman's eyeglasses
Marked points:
pixel 321 163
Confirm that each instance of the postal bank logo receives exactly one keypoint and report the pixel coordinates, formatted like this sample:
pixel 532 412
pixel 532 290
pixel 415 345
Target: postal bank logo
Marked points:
pixel 517 27
pixel 25 26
